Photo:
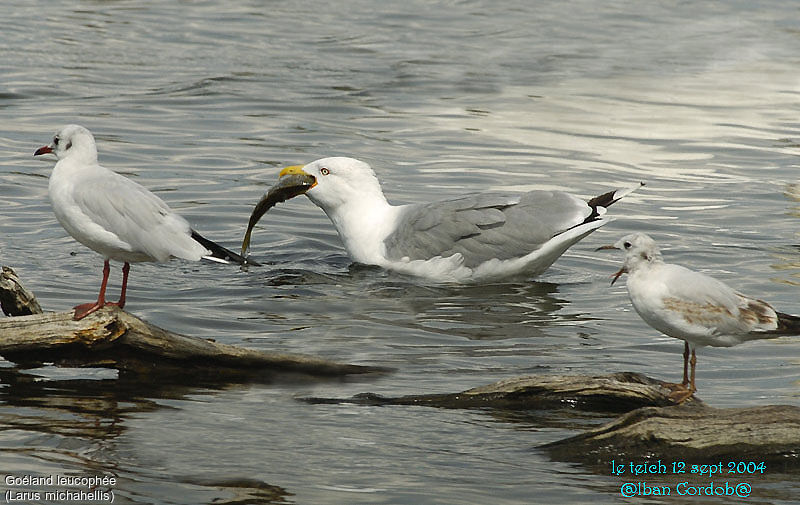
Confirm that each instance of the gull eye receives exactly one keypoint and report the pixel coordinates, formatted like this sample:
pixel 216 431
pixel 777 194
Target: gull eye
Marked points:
pixel 626 245
pixel 324 171
pixel 55 140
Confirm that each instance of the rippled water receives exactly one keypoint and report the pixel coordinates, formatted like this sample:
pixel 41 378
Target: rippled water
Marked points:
pixel 202 102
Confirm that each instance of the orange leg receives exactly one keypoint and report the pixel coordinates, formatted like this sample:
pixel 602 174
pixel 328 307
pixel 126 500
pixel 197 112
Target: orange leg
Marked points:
pixel 85 309
pixel 683 391
pixel 125 269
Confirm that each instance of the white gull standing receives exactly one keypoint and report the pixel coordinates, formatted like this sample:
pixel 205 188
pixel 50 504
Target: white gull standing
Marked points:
pixel 693 307
pixel 476 238
pixel 116 217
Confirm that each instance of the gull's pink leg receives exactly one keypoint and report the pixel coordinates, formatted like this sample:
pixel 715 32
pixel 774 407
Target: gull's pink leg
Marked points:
pixel 125 269
pixel 85 309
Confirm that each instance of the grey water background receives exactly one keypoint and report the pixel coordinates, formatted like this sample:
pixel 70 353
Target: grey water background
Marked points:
pixel 203 102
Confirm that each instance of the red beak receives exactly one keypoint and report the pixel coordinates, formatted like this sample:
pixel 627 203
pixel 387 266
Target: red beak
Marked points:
pixel 616 275
pixel 43 150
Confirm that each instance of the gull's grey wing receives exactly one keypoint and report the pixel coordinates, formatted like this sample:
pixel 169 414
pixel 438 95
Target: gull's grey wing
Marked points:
pixel 485 226
pixel 136 217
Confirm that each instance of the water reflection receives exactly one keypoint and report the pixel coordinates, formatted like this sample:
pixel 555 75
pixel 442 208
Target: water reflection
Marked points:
pixel 372 295
pixel 788 257
pixel 440 101
pixel 76 427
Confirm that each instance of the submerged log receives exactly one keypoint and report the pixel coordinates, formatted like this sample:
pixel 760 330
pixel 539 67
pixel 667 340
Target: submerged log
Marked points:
pixel 242 490
pixel 691 433
pixel 619 392
pixel 113 338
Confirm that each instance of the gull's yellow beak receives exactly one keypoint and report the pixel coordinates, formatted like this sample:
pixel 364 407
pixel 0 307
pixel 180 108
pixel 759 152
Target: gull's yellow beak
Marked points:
pixel 293 181
pixel 296 170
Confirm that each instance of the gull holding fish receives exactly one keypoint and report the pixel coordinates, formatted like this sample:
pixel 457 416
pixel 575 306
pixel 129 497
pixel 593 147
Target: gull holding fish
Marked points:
pixel 693 307
pixel 480 237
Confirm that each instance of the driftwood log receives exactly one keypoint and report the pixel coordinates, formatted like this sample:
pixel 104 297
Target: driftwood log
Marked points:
pixel 615 393
pixel 692 433
pixel 15 300
pixel 113 338
pixel 651 426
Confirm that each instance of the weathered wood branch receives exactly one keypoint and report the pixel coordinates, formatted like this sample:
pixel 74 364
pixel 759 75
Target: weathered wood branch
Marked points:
pixel 113 338
pixel 651 426
pixel 619 392
pixel 14 298
pixel 692 433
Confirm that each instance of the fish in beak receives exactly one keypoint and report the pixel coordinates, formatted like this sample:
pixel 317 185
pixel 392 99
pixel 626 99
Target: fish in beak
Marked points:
pixel 292 182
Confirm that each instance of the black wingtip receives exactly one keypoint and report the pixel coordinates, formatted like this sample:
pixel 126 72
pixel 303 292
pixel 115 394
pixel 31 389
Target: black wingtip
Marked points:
pixel 603 200
pixel 608 199
pixel 788 324
pixel 219 252
pixel 612 197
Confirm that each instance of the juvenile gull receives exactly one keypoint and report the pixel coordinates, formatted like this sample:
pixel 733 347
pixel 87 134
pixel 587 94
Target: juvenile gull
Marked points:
pixel 475 238
pixel 693 307
pixel 115 216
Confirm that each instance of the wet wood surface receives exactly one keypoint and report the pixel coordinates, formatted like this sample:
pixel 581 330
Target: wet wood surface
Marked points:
pixel 692 432
pixel 15 299
pixel 650 424
pixel 113 338
pixel 615 393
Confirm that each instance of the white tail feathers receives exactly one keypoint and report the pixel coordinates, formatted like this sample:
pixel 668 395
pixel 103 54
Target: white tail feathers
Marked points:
pixel 216 260
pixel 621 193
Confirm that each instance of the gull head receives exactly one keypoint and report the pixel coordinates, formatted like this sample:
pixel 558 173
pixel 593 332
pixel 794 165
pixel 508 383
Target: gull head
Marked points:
pixel 640 252
pixel 74 142
pixel 338 181
pixel 331 183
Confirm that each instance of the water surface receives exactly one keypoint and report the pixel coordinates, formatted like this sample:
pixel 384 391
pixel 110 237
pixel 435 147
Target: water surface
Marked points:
pixel 203 102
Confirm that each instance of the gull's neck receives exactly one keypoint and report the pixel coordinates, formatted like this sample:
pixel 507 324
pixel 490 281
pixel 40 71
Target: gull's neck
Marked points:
pixel 78 160
pixel 69 172
pixel 645 285
pixel 83 151
pixel 363 223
